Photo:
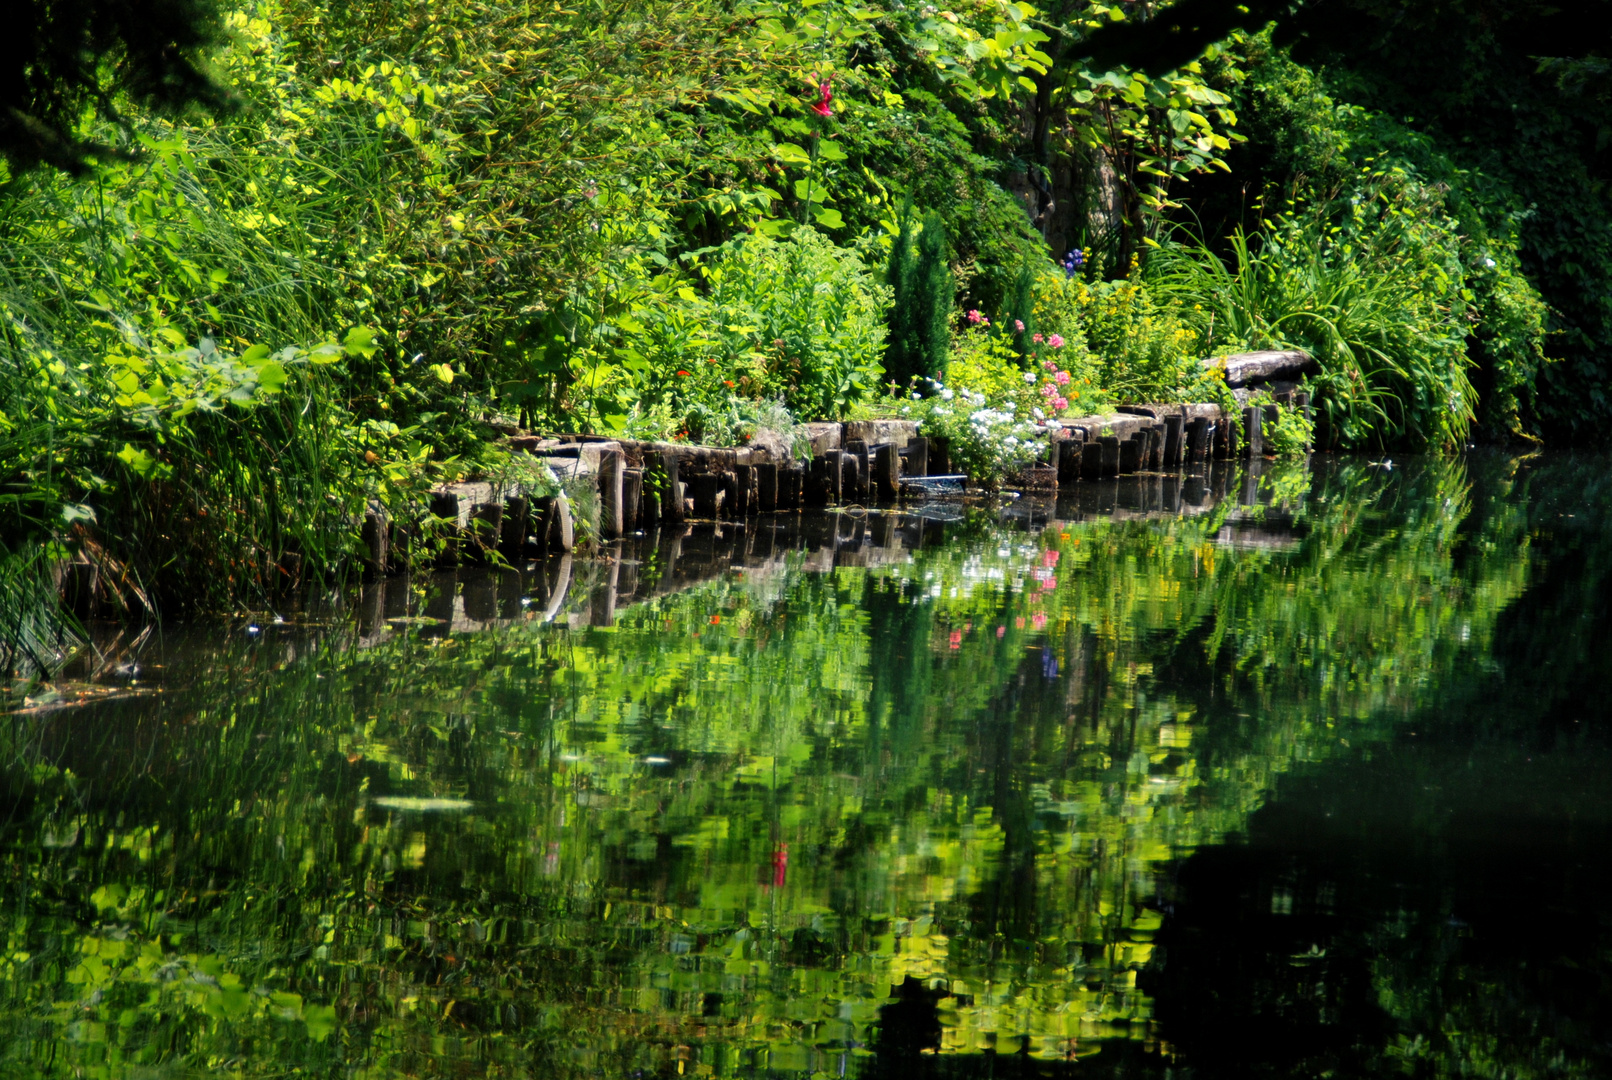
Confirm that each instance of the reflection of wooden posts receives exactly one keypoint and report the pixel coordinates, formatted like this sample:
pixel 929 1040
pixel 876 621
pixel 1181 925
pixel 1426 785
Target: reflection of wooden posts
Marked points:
pixel 671 492
pixel 1070 452
pixel 1254 428
pixel 612 463
pixel 917 456
pixel 766 486
pixel 512 534
pixel 1109 449
pixel 481 597
pixel 562 586
pixel 1172 441
pixel 603 601
pixel 888 471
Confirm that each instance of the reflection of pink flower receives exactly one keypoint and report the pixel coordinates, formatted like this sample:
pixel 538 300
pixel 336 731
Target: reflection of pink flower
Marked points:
pixel 1039 620
pixel 957 639
pixel 1061 378
pixel 1019 622
pixel 1049 582
pixel 827 95
pixel 1056 341
pixel 1049 557
pixel 1000 630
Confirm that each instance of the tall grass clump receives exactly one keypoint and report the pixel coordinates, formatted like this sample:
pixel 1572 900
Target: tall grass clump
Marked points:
pixel 1375 292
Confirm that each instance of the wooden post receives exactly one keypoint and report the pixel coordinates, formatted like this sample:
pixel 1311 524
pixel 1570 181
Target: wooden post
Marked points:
pixel 1229 424
pixel 650 504
pixel 1172 441
pixel 889 471
pixel 445 505
pixel 857 450
pixel 766 486
pixel 512 534
pixel 817 491
pixel 917 456
pixel 671 496
pixel 1198 439
pixel 1091 461
pixel 611 465
pixel 1130 453
pixel 1069 457
pixel 1252 417
pixel 376 536
pixel 744 485
pixel 559 528
pixel 632 494
pixel 704 489
pixel 1301 401
pixel 940 456
pixel 1109 445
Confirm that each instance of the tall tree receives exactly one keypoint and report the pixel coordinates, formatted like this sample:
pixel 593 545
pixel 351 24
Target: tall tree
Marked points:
pixel 63 60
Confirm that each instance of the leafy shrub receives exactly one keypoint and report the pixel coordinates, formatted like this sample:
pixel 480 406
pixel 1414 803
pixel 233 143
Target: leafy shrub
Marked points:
pixel 797 320
pixel 1141 349
pixel 985 443
pixel 1374 294
pixel 986 363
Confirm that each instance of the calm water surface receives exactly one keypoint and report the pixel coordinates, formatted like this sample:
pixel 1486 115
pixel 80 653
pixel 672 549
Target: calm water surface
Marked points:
pixel 1299 775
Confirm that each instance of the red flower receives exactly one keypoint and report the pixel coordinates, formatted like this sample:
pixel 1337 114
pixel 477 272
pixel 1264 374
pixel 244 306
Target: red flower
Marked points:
pixel 826 95
pixel 682 373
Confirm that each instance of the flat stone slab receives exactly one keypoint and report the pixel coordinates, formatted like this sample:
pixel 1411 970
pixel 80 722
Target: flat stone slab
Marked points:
pixel 879 432
pixel 825 436
pixel 1244 368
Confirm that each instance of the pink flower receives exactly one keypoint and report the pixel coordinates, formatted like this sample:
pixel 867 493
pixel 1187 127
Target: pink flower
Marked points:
pixel 1061 378
pixel 1036 339
pixel 974 315
pixel 1049 365
pixel 1056 341
pixel 827 95
pixel 1018 324
pixel 1061 404
pixel 1049 391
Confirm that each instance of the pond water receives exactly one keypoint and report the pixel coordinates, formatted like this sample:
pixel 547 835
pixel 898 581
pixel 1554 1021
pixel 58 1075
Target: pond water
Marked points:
pixel 1300 774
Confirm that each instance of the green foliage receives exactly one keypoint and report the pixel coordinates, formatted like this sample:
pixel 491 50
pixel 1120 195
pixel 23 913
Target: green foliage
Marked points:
pixel 921 297
pixel 1375 294
pixel 1334 156
pixel 1141 345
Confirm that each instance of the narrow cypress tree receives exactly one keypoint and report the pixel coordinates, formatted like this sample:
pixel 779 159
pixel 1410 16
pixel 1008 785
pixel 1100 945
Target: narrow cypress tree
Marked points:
pixel 921 301
pixel 1021 311
pixel 932 300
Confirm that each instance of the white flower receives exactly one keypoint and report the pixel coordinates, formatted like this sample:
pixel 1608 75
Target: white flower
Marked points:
pixel 1039 415
pixel 946 395
pixel 1029 378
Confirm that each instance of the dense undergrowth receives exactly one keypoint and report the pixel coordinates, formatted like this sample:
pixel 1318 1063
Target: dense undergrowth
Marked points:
pixel 690 220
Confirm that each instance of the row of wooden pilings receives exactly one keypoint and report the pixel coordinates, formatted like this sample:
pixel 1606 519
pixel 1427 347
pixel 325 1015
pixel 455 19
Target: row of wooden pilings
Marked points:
pixel 641 485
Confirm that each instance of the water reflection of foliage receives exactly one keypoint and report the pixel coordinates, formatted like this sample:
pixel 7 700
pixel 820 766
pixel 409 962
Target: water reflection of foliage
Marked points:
pixel 718 833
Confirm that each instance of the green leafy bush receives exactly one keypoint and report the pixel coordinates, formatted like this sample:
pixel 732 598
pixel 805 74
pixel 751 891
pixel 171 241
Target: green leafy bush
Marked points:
pixel 1375 294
